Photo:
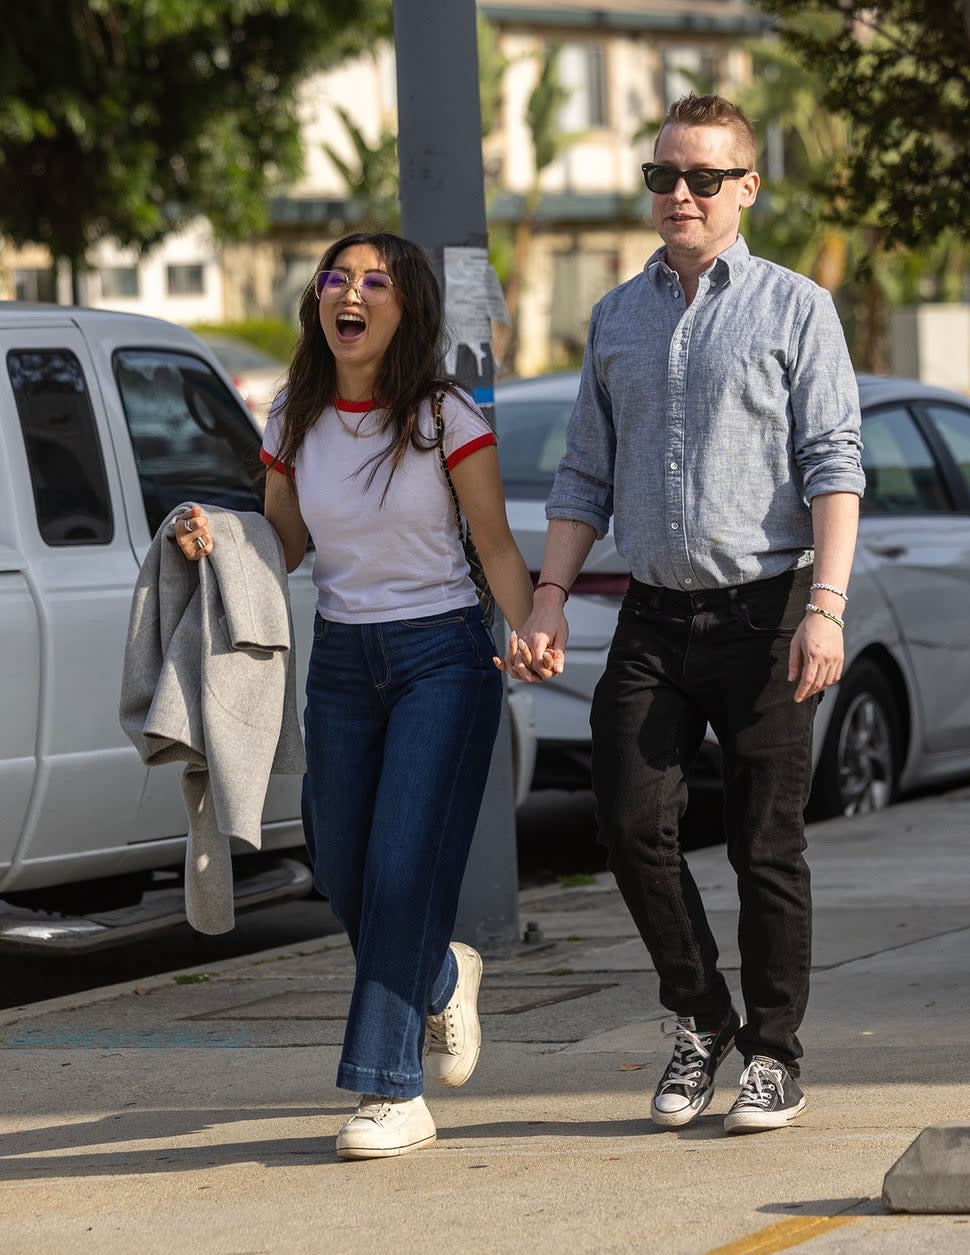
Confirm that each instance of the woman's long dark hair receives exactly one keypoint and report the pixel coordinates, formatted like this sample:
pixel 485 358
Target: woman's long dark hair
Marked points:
pixel 410 371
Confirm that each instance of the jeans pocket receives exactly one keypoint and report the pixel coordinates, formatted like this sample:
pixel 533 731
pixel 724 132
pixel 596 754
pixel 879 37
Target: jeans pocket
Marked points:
pixel 639 606
pixel 772 616
pixel 320 625
pixel 482 640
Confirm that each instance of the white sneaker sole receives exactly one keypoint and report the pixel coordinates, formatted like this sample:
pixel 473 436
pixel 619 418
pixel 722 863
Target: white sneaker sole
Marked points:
pixel 383 1152
pixel 762 1121
pixel 471 974
pixel 677 1119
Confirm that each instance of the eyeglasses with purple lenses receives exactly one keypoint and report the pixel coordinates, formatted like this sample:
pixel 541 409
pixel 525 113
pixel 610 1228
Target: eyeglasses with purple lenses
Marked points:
pixel 373 286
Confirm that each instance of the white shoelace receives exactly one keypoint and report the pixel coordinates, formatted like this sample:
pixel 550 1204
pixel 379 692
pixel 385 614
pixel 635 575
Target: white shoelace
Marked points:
pixel 440 1031
pixel 374 1107
pixel 690 1051
pixel 759 1081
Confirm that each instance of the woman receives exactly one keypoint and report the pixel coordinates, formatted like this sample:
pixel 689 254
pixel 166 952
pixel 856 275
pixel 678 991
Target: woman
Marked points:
pixel 403 698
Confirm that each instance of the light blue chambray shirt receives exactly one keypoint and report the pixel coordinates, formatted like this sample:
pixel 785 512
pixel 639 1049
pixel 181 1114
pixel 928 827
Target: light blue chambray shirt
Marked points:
pixel 705 429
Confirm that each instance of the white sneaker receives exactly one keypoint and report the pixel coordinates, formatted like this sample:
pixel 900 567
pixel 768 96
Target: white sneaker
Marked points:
pixel 453 1037
pixel 382 1127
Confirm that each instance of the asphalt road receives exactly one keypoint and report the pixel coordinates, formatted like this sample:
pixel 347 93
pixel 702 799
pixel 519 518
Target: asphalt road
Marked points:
pixel 556 839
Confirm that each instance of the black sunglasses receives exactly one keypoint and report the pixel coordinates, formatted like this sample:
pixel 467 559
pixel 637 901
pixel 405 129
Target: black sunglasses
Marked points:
pixel 703 182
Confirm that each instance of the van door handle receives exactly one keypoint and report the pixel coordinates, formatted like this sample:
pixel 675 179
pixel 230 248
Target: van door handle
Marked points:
pixel 888 551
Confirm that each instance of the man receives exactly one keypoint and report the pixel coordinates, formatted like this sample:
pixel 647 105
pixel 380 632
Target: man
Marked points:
pixel 718 423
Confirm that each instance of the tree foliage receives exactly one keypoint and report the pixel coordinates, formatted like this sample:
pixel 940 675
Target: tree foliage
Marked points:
pixel 125 118
pixel 372 178
pixel 898 71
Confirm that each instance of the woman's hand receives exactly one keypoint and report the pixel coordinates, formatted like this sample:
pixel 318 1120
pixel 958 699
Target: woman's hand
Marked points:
pixel 192 534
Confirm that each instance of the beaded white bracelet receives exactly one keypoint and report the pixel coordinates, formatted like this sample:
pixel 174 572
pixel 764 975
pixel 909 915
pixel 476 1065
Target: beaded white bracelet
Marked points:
pixel 826 614
pixel 829 588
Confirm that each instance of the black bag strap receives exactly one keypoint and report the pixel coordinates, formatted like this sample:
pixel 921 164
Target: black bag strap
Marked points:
pixel 439 430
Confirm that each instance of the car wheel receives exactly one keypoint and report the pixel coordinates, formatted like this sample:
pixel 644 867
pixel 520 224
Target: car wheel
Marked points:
pixel 858 769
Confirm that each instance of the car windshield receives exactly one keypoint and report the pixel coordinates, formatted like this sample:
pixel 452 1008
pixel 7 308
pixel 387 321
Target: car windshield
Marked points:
pixel 531 440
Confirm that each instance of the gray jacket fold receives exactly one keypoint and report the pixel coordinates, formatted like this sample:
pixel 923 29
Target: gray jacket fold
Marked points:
pixel 208 680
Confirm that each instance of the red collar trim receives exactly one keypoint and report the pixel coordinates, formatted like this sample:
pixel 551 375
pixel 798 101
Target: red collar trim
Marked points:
pixel 355 407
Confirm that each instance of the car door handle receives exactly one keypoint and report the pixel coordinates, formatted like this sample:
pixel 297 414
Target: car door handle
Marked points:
pixel 888 551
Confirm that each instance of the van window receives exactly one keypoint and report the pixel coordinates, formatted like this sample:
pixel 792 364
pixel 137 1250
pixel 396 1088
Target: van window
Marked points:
pixel 67 474
pixel 191 439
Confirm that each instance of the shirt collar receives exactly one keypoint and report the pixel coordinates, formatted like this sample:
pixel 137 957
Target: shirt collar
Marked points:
pixel 731 263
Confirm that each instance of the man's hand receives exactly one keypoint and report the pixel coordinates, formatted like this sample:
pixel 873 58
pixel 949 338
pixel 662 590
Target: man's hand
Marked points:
pixel 538 650
pixel 521 664
pixel 816 655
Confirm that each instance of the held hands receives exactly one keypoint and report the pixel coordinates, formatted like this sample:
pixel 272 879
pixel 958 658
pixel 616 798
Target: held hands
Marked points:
pixel 538 650
pixel 192 534
pixel 815 656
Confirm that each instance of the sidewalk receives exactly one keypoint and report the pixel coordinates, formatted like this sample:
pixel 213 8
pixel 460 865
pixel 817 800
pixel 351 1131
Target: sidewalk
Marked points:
pixel 197 1112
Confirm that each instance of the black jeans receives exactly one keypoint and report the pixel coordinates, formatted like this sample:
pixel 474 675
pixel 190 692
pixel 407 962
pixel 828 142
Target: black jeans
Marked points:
pixel 679 660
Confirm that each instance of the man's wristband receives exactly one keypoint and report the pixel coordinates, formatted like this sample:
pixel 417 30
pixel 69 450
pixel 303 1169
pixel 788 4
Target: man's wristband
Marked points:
pixel 553 584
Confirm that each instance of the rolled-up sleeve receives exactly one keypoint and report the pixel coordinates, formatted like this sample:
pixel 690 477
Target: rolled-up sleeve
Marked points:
pixel 824 397
pixel 582 490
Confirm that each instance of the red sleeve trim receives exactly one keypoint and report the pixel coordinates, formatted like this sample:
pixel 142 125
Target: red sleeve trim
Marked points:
pixel 480 442
pixel 274 463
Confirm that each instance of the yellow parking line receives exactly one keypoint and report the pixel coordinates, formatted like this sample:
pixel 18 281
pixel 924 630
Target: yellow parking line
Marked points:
pixel 783 1235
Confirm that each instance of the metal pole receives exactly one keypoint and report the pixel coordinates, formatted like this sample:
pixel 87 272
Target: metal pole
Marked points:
pixel 443 210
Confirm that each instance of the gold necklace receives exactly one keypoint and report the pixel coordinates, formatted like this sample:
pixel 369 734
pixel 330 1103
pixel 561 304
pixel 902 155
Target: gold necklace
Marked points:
pixel 354 431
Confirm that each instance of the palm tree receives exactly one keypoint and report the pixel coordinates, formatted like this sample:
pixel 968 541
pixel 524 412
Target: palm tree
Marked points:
pixel 372 184
pixel 548 142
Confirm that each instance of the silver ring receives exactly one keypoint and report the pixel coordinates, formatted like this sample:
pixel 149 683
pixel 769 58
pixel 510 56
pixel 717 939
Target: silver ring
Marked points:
pixel 199 542
pixel 190 525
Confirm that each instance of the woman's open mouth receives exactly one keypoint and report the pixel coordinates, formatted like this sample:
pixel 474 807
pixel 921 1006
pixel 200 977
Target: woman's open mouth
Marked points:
pixel 350 327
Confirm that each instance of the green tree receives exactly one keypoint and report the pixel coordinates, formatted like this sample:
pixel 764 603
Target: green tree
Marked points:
pixel 793 224
pixel 548 142
pixel 372 175
pixel 373 182
pixel 899 72
pixel 492 64
pixel 126 118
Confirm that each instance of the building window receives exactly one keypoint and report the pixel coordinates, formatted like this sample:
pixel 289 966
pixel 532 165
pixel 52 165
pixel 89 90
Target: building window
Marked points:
pixel 34 285
pixel 688 70
pixel 582 72
pixel 185 280
pixel 119 281
pixel 580 278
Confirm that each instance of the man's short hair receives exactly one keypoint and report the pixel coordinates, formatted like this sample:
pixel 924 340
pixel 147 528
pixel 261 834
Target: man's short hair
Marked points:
pixel 694 110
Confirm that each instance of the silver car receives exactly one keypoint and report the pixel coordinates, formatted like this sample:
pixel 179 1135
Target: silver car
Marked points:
pixel 256 376
pixel 900 718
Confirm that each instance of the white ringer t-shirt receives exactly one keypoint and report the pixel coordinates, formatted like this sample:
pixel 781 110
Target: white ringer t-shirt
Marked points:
pixel 375 563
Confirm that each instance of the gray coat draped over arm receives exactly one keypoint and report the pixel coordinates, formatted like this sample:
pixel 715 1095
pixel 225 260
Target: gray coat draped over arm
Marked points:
pixel 208 680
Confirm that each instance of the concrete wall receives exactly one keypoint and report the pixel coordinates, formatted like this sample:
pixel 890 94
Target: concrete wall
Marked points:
pixel 932 343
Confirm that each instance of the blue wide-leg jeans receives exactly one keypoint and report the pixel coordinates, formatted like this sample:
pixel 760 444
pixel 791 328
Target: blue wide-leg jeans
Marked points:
pixel 400 722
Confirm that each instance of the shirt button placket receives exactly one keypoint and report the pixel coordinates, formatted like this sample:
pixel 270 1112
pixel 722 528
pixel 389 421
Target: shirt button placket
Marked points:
pixel 675 453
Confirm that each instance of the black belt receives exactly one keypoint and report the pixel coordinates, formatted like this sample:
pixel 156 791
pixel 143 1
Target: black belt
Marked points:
pixel 677 602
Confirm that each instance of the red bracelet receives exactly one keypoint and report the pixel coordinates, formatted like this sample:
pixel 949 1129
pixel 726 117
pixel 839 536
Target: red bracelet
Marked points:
pixel 553 584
